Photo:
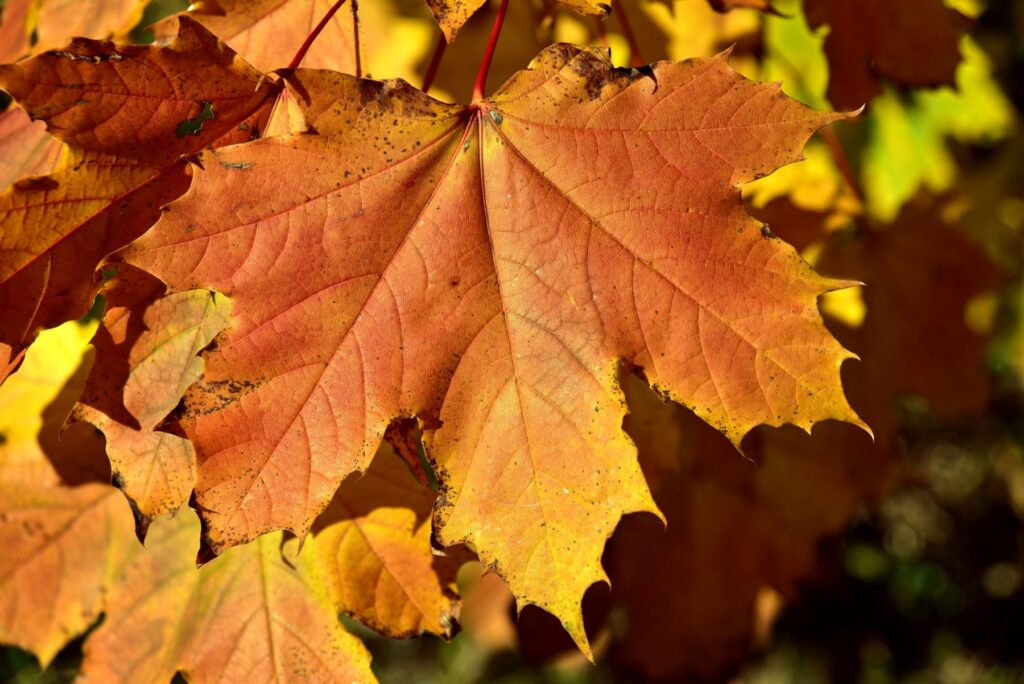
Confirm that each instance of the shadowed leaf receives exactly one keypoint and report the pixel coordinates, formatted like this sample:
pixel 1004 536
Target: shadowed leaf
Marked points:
pixel 373 542
pixel 912 43
pixel 122 105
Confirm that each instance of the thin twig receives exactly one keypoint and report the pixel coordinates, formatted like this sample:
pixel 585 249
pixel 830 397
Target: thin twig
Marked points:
pixel 435 63
pixel 627 31
pixel 602 32
pixel 355 32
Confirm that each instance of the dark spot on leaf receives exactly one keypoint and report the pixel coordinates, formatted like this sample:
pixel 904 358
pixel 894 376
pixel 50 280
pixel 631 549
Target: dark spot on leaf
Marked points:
pixel 42 183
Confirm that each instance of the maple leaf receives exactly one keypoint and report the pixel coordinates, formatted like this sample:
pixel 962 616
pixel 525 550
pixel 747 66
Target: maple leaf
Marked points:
pixel 58 21
pixel 157 469
pixel 914 43
pixel 250 615
pixel 734 528
pixel 373 542
pixel 127 294
pixel 489 267
pixel 130 113
pixel 26 150
pixel 267 33
pixel 60 544
pixel 908 323
pixel 920 273
pixel 70 555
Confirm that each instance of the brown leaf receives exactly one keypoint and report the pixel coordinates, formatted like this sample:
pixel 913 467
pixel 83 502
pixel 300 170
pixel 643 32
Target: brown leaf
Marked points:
pixel 690 590
pixel 912 43
pixel 920 273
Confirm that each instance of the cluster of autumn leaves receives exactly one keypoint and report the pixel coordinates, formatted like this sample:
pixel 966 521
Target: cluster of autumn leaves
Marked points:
pixel 291 260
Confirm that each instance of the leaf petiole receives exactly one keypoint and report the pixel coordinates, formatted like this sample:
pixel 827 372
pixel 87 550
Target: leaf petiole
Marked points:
pixel 304 48
pixel 485 63
pixel 635 58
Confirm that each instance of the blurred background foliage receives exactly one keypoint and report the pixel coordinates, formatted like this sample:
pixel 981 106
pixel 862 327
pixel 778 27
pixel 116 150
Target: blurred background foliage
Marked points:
pixel 820 558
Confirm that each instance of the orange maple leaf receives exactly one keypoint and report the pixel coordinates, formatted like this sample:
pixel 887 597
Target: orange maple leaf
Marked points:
pixel 487 269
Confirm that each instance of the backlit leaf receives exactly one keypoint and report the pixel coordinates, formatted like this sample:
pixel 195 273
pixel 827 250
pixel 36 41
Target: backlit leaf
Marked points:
pixel 49 367
pixel 267 33
pixel 485 267
pixel 373 542
pixel 70 555
pixel 61 549
pixel 908 145
pixel 156 469
pixel 61 544
pixel 123 108
pixel 249 616
pixel 40 25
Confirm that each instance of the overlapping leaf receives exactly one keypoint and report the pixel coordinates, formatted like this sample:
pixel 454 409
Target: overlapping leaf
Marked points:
pixel 34 404
pixel 267 33
pixel 920 274
pixel 485 267
pixel 155 468
pixel 736 529
pixel 61 545
pixel 130 113
pixel 248 616
pixel 373 542
pixel 913 43
pixel 70 555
